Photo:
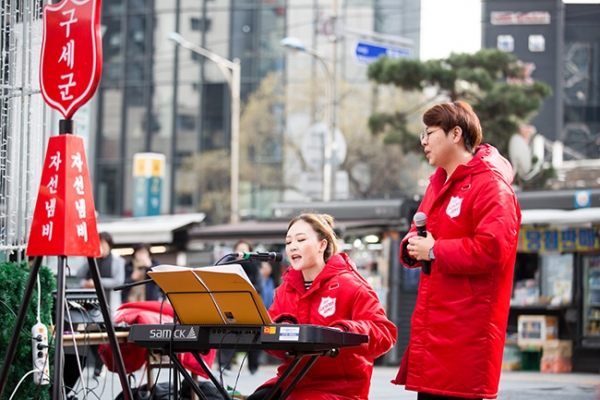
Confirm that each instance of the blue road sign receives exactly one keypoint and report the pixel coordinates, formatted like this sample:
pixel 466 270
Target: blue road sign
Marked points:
pixel 367 53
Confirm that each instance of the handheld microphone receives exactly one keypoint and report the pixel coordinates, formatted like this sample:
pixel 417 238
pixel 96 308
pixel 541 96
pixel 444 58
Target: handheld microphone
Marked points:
pixel 420 219
pixel 260 256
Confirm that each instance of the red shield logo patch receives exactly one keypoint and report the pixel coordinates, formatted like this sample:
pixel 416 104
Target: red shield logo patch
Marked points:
pixel 71 54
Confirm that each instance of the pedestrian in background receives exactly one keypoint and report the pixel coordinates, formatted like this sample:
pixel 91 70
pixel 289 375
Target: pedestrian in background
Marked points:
pixel 459 323
pixel 112 272
pixel 324 288
pixel 268 284
pixel 136 270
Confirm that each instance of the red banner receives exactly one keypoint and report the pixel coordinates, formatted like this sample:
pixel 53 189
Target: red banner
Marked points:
pixel 64 219
pixel 71 54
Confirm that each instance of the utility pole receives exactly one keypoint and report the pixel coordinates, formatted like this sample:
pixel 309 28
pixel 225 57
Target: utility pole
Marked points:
pixel 328 169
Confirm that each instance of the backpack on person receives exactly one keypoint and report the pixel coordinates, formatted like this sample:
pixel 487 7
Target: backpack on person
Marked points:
pixel 165 391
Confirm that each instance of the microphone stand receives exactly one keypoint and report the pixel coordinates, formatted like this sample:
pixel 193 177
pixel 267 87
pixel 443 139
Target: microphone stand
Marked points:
pixel 225 257
pixel 132 284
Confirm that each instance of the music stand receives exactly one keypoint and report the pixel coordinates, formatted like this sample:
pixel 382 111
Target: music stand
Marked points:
pixel 224 293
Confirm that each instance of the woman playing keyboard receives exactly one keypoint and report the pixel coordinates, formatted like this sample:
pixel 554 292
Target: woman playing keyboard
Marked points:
pixel 322 287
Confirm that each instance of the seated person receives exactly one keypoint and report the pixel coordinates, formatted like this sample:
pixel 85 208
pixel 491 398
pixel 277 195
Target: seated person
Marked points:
pixel 136 270
pixel 324 288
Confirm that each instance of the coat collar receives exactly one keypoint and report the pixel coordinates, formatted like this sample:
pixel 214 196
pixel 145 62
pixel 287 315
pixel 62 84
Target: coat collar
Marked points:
pixel 487 158
pixel 337 264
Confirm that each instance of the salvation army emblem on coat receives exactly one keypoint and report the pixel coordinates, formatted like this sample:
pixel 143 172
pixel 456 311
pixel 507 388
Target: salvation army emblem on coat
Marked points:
pixel 453 209
pixel 327 306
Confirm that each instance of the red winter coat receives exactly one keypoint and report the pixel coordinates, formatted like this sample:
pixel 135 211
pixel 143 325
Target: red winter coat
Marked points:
pixel 459 322
pixel 355 307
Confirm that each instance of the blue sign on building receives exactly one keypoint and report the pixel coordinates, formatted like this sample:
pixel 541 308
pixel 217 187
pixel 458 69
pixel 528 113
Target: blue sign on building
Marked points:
pixel 147 195
pixel 367 53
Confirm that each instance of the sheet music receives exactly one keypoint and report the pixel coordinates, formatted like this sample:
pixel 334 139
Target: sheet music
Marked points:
pixel 221 294
pixel 227 268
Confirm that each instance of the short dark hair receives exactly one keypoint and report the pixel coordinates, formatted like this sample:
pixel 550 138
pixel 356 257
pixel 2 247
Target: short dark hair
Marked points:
pixel 107 238
pixel 243 241
pixel 458 113
pixel 140 246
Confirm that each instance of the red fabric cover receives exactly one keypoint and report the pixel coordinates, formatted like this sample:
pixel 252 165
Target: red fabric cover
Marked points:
pixel 190 363
pixel 134 357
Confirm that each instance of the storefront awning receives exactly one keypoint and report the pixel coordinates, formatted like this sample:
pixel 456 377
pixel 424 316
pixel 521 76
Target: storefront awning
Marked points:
pixel 572 218
pixel 154 230
pixel 261 230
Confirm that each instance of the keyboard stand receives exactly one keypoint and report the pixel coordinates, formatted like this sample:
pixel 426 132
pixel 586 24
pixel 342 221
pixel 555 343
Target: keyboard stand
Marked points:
pixel 297 341
pixel 157 361
pixel 298 356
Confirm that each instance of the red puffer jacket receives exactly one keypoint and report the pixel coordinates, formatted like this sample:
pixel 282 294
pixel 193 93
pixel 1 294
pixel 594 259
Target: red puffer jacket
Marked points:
pixel 338 296
pixel 459 323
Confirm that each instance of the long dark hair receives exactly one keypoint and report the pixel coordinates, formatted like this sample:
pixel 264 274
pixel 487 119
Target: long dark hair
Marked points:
pixel 323 225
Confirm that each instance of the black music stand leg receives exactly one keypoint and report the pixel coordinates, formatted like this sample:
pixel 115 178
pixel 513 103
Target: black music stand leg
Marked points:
pixel 14 338
pixel 110 330
pixel 211 376
pixel 187 377
pixel 175 383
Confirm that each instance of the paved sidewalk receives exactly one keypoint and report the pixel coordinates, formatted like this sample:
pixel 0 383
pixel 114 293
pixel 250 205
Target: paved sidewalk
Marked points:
pixel 514 385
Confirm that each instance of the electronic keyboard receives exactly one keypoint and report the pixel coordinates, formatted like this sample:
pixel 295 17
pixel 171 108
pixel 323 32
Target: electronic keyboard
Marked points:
pixel 288 337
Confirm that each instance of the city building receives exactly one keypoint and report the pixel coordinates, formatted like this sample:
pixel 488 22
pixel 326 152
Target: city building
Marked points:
pixel 158 97
pixel 557 41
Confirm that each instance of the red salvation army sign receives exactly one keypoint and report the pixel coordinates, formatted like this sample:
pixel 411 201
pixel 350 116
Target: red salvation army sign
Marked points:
pixel 64 219
pixel 71 54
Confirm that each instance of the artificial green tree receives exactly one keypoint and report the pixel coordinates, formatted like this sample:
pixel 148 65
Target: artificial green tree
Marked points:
pixel 13 280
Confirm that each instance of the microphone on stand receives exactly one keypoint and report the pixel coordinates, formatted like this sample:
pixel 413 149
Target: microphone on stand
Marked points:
pixel 132 284
pixel 260 256
pixel 420 220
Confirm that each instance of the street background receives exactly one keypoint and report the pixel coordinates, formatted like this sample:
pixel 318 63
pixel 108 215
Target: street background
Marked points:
pixel 514 385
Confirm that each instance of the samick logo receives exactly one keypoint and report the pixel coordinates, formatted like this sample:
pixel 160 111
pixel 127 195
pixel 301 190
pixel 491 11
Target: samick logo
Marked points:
pixel 177 334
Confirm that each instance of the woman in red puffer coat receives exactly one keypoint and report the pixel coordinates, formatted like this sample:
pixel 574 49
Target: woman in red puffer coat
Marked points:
pixel 459 323
pixel 324 288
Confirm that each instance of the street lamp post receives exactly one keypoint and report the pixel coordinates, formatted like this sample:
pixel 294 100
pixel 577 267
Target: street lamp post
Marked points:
pixel 231 70
pixel 329 67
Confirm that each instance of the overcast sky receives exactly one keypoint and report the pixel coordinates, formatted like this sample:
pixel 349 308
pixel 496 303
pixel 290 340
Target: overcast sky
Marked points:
pixel 450 26
pixel 455 26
